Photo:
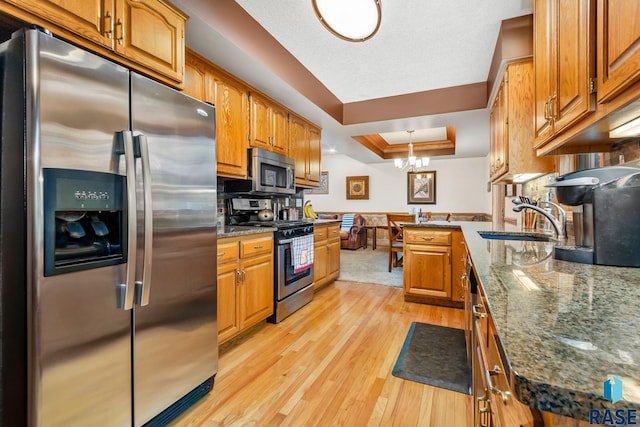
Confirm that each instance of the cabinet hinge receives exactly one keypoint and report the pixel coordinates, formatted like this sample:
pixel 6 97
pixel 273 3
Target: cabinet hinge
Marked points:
pixel 592 85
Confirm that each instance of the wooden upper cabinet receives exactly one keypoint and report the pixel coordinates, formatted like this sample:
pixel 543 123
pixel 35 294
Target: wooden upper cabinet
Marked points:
pixel 498 123
pixel 204 81
pixel 511 123
pixel 232 124
pixel 618 46
pixel 91 19
pixel 564 50
pixel 305 148
pixel 268 125
pixel 195 81
pixel 149 33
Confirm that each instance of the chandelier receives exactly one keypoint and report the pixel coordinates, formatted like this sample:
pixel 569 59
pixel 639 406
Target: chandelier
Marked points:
pixel 354 20
pixel 412 164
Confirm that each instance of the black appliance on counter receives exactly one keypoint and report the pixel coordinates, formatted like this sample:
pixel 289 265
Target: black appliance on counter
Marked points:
pixel 292 289
pixel 606 202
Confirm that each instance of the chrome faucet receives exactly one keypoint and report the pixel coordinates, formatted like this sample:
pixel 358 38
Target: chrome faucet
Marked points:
pixel 559 223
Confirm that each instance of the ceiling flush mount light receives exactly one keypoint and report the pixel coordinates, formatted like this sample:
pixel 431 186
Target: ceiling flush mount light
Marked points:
pixel 413 164
pixel 352 20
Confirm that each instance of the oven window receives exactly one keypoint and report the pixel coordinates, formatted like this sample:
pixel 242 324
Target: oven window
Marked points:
pixel 289 275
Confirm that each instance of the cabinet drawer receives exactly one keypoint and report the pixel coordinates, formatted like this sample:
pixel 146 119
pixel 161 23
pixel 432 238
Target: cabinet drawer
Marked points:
pixel 227 251
pixel 333 231
pixel 320 233
pixel 255 246
pixel 427 237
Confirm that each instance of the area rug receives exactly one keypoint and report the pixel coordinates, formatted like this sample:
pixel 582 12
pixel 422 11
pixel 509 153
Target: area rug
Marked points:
pixel 369 266
pixel 435 355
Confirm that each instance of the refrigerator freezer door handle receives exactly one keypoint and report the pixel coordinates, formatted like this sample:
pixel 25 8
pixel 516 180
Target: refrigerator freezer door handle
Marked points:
pixel 143 288
pixel 125 291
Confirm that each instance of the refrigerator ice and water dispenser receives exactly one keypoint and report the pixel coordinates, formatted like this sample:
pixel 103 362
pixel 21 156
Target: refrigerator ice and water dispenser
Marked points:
pixel 84 221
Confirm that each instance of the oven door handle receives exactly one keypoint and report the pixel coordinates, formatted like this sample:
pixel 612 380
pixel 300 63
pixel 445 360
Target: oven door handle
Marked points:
pixel 284 242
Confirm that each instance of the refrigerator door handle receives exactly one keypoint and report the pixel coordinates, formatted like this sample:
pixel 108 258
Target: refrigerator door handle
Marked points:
pixel 143 287
pixel 125 291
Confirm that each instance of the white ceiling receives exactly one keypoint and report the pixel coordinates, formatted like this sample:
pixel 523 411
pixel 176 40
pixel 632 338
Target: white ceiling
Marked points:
pixel 421 45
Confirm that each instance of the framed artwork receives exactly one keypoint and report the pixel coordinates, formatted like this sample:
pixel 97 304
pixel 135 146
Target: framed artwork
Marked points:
pixel 324 185
pixel 358 187
pixel 421 188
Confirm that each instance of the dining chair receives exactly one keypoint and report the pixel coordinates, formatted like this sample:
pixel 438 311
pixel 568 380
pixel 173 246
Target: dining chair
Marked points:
pixel 394 228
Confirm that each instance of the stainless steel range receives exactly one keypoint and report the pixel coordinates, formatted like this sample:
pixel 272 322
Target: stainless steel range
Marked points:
pixel 293 287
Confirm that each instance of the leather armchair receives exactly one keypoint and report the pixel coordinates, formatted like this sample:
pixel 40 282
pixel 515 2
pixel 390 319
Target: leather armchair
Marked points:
pixel 356 237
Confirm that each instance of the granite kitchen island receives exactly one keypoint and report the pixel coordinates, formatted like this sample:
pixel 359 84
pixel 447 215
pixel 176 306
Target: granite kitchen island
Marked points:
pixel 562 328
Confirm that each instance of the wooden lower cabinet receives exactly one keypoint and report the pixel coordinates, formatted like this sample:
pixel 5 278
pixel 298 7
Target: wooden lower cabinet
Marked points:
pixel 326 258
pixel 433 266
pixel 245 283
pixel 494 405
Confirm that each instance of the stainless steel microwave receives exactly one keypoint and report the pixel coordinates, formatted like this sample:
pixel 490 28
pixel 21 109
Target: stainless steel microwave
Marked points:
pixel 269 173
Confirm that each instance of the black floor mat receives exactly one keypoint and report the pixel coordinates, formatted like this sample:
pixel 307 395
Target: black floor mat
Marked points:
pixel 435 355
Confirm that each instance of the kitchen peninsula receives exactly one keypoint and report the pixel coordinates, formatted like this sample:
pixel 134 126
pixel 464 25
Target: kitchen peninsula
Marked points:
pixel 562 328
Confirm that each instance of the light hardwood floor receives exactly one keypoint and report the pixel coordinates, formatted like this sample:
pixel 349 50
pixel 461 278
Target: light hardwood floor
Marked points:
pixel 330 364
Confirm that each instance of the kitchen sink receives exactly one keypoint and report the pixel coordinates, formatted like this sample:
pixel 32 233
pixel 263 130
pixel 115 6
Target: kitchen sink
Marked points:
pixel 516 235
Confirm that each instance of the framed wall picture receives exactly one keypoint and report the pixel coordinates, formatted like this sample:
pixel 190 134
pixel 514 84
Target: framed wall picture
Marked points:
pixel 358 187
pixel 324 185
pixel 421 188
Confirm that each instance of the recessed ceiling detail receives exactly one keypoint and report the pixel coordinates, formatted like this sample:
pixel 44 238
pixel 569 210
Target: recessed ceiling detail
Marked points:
pixel 379 145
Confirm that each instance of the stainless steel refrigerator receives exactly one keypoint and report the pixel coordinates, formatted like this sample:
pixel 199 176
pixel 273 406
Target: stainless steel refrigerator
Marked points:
pixel 108 237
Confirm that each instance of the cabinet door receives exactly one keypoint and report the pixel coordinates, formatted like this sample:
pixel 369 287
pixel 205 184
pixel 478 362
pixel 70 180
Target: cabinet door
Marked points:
pixel 195 77
pixel 260 136
pixel 427 271
pixel 544 62
pixel 228 321
pixel 232 123
pixel 320 260
pixel 256 298
pixel 313 155
pixel 618 46
pixel 279 134
pixel 151 33
pixel 459 267
pixel 91 19
pixel 499 131
pixel 333 251
pixel 575 62
pixel 298 147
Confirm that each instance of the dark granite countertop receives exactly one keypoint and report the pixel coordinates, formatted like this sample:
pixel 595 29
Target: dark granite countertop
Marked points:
pixel 243 230
pixel 564 327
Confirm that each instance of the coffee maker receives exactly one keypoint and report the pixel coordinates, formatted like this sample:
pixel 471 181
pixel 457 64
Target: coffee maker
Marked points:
pixel 606 202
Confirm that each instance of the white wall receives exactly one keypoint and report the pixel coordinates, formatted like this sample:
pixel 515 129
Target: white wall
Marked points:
pixel 461 186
